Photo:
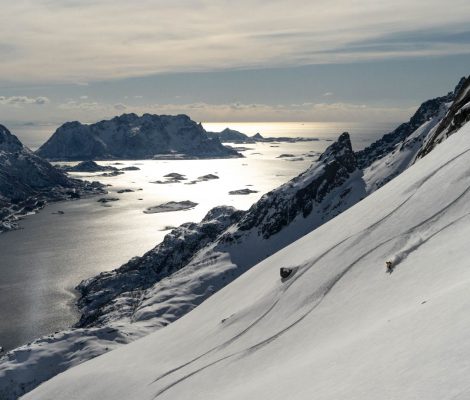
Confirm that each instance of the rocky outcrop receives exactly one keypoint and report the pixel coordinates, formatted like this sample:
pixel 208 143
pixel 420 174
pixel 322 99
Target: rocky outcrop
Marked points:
pixel 299 196
pixel 457 116
pixel 118 291
pixel 428 110
pixel 132 137
pixel 28 182
pixel 89 166
pixel 232 136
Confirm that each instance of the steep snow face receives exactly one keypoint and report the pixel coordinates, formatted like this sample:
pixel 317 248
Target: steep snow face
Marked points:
pixel 27 182
pixel 339 326
pixel 133 137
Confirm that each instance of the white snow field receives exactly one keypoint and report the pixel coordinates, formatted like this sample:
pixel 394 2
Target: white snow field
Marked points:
pixel 339 327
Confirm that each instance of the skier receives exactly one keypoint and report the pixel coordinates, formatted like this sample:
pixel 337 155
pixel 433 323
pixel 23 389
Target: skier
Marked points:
pixel 389 266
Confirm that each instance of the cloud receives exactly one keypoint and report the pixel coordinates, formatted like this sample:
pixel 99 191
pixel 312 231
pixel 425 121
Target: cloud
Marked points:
pixel 22 100
pixel 123 40
pixel 81 105
pixel 120 107
pixel 242 112
pixel 328 94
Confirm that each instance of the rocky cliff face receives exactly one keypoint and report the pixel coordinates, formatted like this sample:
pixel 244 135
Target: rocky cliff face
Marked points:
pixel 298 197
pixel 27 182
pixel 428 110
pixel 118 291
pixel 457 116
pixel 132 137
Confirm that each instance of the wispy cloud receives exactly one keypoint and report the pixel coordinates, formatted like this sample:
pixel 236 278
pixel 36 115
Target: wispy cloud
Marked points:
pixel 22 100
pixel 201 111
pixel 81 40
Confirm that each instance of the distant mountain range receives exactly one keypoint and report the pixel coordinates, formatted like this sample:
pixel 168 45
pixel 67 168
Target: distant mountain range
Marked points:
pixel 130 136
pixel 232 136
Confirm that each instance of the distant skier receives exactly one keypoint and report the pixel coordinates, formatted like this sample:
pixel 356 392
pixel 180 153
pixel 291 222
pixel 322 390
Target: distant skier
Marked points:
pixel 389 266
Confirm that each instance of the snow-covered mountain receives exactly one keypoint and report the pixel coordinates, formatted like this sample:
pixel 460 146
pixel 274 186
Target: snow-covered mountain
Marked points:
pixel 132 137
pixel 27 182
pixel 155 290
pixel 339 327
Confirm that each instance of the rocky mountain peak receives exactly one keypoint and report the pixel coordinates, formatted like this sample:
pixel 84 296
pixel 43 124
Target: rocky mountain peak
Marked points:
pixel 301 195
pixel 9 142
pixel 457 115
pixel 341 151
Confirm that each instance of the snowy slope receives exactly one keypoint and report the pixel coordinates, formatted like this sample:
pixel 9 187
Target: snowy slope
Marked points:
pixel 340 327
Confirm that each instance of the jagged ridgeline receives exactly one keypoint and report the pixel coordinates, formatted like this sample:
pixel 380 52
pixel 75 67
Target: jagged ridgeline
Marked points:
pixel 132 137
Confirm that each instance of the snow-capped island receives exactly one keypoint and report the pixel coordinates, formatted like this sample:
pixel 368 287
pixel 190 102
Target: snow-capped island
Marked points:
pixel 130 136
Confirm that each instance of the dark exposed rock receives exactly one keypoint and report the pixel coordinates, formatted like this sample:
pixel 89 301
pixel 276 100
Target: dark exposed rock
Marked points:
pixel 171 206
pixel 278 208
pixel 88 166
pixel 139 273
pixel 242 192
pixel 386 144
pixel 457 116
pixel 232 136
pixel 131 168
pixel 28 182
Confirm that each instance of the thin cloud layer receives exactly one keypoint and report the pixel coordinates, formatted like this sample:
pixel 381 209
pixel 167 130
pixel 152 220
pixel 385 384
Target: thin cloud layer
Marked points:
pixel 81 40
pixel 91 111
pixel 22 100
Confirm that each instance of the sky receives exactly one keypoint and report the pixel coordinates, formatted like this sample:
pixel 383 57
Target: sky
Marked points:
pixel 256 60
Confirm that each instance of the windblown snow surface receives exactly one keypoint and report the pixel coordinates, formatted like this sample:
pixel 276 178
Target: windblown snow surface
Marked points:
pixel 339 327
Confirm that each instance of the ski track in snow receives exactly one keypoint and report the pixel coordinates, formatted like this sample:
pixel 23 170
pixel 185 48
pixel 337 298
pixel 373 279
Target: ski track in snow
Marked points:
pixel 326 289
pixel 329 286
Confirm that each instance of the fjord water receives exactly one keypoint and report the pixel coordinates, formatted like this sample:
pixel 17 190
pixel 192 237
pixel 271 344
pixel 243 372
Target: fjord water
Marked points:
pixel 42 263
